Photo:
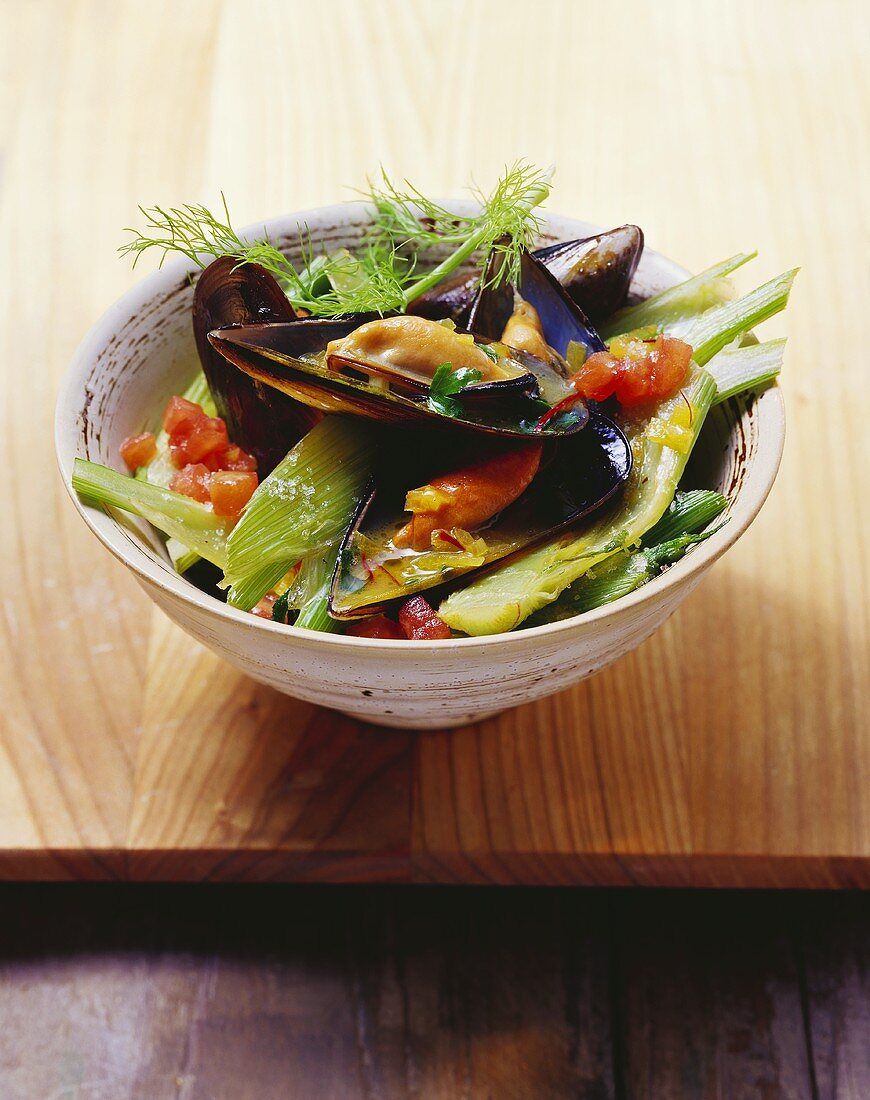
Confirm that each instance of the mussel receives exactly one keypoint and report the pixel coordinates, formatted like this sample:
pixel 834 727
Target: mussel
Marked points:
pixel 505 462
pixel 383 370
pixel 261 419
pixel 557 315
pixel 450 300
pixel 595 271
pixel 577 475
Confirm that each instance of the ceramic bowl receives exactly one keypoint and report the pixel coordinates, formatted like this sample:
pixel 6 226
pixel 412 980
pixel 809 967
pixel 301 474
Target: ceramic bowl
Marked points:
pixel 141 351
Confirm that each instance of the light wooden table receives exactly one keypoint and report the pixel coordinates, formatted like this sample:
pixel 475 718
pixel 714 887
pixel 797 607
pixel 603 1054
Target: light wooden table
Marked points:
pixel 732 748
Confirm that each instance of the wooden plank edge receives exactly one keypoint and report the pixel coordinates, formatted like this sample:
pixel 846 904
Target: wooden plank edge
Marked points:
pixel 457 868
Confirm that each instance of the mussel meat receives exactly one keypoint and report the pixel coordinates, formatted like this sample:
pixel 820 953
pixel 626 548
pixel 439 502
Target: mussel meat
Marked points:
pixel 383 369
pixel 379 561
pixel 262 420
pixel 559 318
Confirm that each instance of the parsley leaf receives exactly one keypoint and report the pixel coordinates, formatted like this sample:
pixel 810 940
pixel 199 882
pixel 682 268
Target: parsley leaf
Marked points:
pixel 445 383
pixel 489 351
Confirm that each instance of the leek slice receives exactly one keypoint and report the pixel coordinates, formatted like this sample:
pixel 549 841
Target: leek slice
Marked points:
pixel 303 506
pixel 503 599
pixel 685 300
pixel 618 576
pixel 193 524
pixel 689 512
pixel 316 577
pixel 182 558
pixel 753 367
pixel 247 592
pixel 678 530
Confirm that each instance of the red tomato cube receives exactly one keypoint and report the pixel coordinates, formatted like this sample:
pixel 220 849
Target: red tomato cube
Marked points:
pixel 208 436
pixel 192 481
pixel 596 379
pixel 180 415
pixel 230 491
pixel 378 627
pixel 138 450
pixel 421 622
pixel 237 459
pixel 214 461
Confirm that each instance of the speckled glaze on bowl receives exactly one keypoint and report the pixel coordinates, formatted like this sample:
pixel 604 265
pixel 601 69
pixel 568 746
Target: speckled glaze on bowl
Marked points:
pixel 141 351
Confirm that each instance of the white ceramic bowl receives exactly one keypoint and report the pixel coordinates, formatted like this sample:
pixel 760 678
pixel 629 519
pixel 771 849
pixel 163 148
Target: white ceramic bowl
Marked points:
pixel 141 351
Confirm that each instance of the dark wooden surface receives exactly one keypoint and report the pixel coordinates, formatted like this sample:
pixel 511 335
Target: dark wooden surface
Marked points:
pixel 307 993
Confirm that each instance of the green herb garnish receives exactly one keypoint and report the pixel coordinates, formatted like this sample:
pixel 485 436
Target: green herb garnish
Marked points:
pixel 446 382
pixel 405 224
pixel 281 608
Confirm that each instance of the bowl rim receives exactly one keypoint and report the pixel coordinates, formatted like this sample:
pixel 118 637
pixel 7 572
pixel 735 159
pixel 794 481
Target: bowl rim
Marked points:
pixel 760 475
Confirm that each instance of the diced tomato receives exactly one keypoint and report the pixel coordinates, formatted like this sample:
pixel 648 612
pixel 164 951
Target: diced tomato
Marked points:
pixel 237 459
pixel 672 365
pixel 208 436
pixel 138 450
pixel 214 461
pixel 180 414
pixel 264 608
pixel 230 491
pixel 644 371
pixel 421 622
pixel 193 436
pixel 378 627
pixel 193 481
pixel 596 379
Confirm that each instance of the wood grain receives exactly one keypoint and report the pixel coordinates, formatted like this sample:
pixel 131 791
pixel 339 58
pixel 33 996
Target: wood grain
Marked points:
pixel 730 749
pixel 331 993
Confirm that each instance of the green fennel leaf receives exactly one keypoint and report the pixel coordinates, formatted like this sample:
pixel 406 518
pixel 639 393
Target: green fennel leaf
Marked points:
pixel 384 272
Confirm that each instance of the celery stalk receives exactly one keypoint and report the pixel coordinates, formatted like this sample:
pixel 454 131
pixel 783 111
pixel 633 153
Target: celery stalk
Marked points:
pixel 503 599
pixel 303 506
pixel 686 299
pixel 753 367
pixel 178 516
pixel 711 331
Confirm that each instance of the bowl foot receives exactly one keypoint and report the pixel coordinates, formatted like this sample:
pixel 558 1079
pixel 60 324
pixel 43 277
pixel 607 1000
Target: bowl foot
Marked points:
pixel 429 722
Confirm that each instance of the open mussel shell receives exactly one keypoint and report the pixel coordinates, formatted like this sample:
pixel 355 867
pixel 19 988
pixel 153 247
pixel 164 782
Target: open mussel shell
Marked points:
pixel 260 419
pixel 579 475
pixel 596 272
pixel 562 320
pixel 291 358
